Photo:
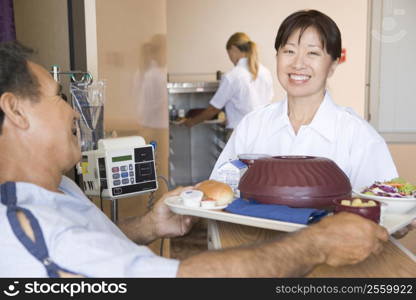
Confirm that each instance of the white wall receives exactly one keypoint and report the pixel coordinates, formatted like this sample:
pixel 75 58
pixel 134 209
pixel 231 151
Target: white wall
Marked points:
pixel 199 29
pixel 126 46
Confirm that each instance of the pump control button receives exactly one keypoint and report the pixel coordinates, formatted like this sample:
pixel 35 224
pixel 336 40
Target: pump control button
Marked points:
pixel 117 191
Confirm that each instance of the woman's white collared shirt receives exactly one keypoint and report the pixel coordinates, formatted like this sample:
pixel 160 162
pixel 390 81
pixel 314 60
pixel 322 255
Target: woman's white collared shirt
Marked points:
pixel 240 94
pixel 335 132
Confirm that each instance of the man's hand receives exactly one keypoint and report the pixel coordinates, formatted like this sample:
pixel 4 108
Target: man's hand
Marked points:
pixel 166 223
pixel 160 222
pixel 347 238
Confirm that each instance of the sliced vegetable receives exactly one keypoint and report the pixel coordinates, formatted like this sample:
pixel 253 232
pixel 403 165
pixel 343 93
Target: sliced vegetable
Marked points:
pixel 395 188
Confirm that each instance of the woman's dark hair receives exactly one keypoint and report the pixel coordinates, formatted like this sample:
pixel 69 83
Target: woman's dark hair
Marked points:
pixel 302 20
pixel 15 76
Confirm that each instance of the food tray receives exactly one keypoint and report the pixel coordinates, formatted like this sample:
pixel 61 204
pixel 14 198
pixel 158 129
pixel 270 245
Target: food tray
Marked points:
pixel 392 222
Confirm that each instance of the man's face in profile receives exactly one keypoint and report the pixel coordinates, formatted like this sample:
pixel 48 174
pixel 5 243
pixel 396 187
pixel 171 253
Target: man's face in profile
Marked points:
pixel 52 122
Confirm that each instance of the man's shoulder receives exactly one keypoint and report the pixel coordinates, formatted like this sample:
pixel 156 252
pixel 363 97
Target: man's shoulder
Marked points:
pixel 69 187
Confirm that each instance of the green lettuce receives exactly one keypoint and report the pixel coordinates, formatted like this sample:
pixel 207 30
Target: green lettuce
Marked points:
pixel 407 188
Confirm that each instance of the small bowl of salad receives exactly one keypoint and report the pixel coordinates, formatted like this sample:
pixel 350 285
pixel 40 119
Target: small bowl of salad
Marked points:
pixel 398 195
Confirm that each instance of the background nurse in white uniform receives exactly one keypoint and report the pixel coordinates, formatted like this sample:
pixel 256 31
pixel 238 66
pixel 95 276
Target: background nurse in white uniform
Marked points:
pixel 308 122
pixel 247 86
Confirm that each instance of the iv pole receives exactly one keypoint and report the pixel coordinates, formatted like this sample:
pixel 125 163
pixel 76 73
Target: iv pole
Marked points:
pixel 87 78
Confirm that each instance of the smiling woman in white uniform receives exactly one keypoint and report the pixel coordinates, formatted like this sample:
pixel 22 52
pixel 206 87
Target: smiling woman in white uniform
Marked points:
pixel 308 122
pixel 247 86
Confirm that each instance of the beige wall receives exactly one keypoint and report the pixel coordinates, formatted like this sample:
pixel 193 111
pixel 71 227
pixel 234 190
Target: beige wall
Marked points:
pixel 126 42
pixel 129 36
pixel 404 157
pixel 131 57
pixel 196 34
pixel 43 26
pixel 199 29
pixel 122 33
pixel 130 54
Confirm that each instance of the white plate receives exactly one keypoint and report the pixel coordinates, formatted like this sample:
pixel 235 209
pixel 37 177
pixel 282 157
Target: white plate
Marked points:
pixel 176 201
pixel 381 198
pixel 393 205
pixel 392 222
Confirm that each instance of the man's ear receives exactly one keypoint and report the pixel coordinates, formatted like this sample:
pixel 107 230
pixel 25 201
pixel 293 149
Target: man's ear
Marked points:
pixel 14 111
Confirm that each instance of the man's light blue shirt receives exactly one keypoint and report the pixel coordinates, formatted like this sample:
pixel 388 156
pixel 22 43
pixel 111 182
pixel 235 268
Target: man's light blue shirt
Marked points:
pixel 79 238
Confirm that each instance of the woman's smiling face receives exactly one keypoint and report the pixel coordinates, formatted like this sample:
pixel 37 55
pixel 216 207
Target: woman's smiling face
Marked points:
pixel 303 65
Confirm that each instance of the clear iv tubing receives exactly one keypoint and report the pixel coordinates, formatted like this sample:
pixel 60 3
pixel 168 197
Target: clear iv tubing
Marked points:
pixel 86 77
pixel 80 110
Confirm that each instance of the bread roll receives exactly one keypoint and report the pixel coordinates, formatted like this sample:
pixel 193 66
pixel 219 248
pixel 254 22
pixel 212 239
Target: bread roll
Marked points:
pixel 216 190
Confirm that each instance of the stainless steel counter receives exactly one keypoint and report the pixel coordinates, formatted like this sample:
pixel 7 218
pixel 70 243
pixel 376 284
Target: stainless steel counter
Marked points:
pixel 192 151
pixel 192 87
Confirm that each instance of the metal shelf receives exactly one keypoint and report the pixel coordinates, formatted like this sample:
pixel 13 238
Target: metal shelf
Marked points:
pixel 192 87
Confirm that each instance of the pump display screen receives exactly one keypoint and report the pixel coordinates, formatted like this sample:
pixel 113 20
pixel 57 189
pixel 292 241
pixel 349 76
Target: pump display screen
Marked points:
pixel 121 158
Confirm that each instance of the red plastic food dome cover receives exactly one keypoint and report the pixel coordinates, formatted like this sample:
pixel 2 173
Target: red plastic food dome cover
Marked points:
pixel 295 181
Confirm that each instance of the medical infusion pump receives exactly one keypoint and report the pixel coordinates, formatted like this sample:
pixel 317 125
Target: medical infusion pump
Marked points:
pixel 120 167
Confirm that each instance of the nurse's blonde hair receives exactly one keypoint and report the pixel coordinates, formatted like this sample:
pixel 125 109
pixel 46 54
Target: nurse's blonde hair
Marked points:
pixel 244 44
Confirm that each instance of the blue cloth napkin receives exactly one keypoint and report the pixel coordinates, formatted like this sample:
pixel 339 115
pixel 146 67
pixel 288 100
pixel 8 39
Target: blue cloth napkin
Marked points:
pixel 275 212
